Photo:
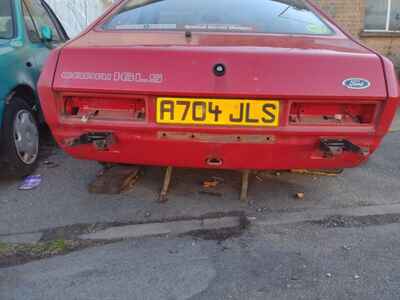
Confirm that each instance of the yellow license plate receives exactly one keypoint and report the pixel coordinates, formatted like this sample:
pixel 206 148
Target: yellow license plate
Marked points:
pixel 228 112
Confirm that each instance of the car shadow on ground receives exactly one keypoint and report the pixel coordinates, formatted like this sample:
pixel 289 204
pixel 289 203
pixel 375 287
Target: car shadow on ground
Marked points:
pixel 48 145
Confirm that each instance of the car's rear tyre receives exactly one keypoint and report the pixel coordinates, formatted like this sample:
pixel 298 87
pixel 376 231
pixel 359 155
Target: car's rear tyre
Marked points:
pixel 20 139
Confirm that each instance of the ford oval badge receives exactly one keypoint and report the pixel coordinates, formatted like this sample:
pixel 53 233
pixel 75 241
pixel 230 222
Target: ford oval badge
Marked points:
pixel 357 83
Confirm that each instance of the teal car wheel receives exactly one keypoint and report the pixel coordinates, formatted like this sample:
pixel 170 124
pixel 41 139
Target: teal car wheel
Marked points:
pixel 26 137
pixel 21 139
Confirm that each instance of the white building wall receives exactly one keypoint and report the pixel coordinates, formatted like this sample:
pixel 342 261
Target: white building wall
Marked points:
pixel 75 15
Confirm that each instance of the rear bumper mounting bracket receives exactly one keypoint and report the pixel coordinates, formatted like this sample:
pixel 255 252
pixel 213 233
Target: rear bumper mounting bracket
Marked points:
pixel 332 147
pixel 101 140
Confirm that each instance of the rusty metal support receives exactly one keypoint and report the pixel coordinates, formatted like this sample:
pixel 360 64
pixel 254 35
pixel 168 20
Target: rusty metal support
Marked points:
pixel 245 186
pixel 167 180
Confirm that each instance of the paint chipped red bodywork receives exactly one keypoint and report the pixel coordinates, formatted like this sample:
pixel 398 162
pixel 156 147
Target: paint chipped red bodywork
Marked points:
pixel 305 70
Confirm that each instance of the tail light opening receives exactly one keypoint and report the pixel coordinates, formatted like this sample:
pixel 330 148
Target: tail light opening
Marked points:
pixel 332 113
pixel 124 109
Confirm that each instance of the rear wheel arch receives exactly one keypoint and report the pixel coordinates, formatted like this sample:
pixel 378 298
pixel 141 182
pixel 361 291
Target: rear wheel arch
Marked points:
pixel 25 92
pixel 28 94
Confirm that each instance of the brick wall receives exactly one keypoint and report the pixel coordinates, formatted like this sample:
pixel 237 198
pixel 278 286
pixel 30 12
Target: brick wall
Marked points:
pixel 350 15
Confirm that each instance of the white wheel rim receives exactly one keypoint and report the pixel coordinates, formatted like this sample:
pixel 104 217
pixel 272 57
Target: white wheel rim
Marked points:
pixel 26 137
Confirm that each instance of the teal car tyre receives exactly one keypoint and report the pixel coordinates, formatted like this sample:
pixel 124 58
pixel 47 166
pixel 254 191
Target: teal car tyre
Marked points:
pixel 20 139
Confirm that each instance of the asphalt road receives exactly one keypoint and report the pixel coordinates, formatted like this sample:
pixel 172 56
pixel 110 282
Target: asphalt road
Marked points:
pixel 302 260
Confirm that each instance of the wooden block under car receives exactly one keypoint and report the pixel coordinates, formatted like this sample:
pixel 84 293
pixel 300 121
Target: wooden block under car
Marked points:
pixel 115 180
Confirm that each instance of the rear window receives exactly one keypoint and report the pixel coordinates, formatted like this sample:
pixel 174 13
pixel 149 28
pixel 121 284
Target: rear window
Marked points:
pixel 261 16
pixel 6 20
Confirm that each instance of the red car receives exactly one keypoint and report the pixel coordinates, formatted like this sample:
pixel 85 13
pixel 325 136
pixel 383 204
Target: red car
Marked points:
pixel 230 84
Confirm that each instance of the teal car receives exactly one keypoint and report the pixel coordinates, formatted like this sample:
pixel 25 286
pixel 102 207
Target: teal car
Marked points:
pixel 28 31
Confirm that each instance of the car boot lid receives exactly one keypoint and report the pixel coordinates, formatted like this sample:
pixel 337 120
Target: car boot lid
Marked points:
pixel 254 66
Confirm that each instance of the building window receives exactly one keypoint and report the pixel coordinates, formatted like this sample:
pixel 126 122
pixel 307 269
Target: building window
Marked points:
pixel 382 16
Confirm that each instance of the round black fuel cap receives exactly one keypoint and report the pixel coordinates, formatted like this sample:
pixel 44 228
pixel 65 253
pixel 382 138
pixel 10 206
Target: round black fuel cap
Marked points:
pixel 219 70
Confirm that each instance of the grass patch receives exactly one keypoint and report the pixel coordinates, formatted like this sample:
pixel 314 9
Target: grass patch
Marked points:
pixel 5 248
pixel 11 255
pixel 44 249
pixel 39 249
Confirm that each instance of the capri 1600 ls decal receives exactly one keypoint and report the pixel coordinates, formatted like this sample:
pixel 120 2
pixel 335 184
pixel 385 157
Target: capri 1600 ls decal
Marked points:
pixel 115 76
